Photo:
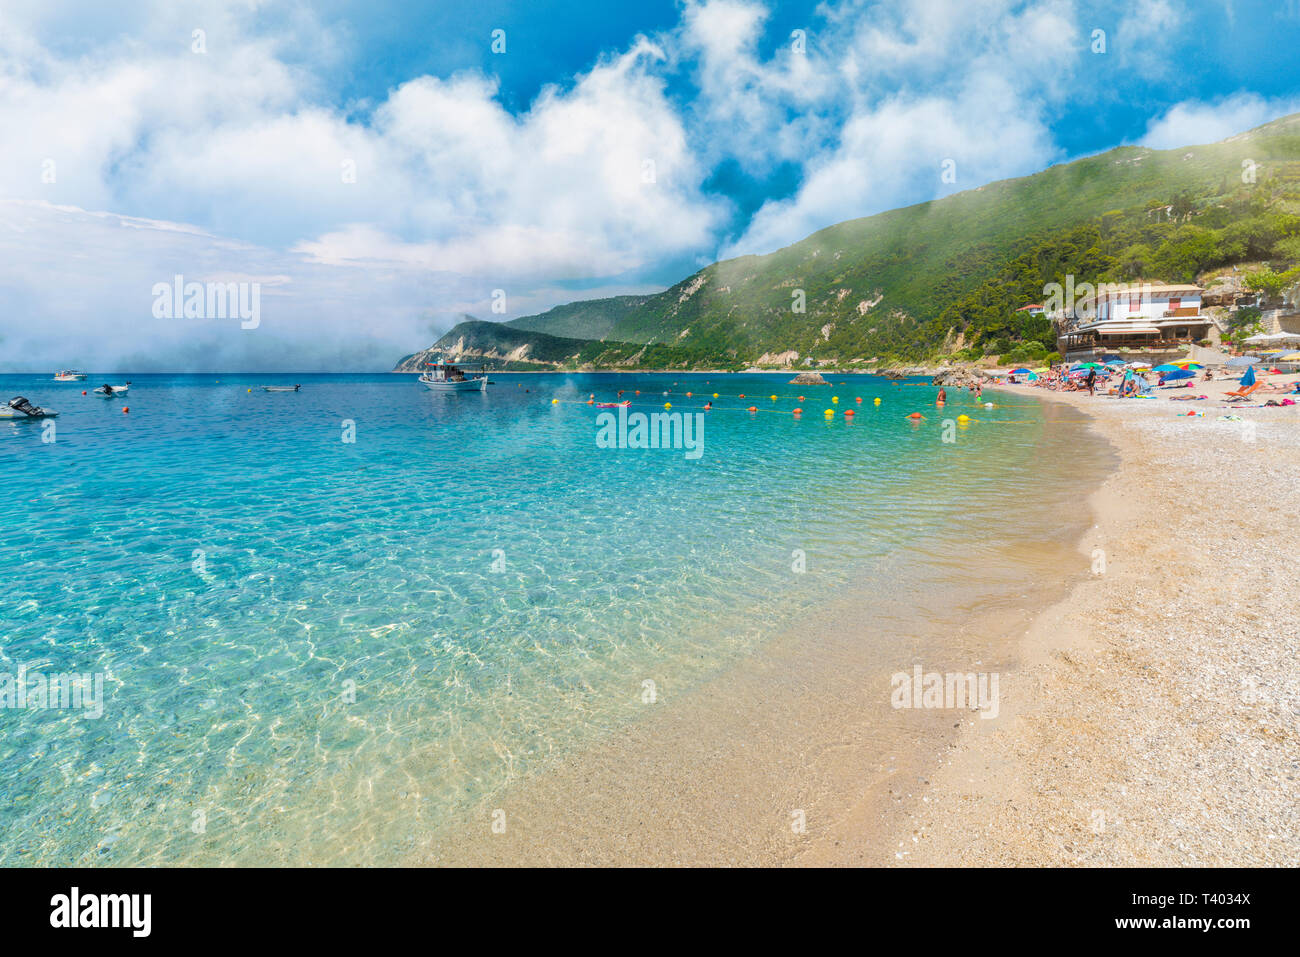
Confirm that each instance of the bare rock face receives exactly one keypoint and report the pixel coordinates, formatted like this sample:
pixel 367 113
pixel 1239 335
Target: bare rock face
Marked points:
pixel 809 378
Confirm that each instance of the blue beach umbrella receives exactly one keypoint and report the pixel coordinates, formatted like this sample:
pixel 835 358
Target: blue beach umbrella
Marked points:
pixel 1167 367
pixel 1179 374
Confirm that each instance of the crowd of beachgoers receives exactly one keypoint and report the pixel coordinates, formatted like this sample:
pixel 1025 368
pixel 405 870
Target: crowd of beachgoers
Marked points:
pixel 1248 383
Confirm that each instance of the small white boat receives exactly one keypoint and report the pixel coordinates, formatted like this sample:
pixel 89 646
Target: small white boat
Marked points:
pixel 67 375
pixel 281 388
pixel 446 377
pixel 19 409
pixel 107 391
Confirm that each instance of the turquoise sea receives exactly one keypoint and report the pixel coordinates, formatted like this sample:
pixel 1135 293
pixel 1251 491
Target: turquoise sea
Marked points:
pixel 317 650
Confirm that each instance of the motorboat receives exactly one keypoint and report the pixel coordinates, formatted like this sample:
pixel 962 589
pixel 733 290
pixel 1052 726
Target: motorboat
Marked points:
pixel 107 391
pixel 67 375
pixel 447 377
pixel 19 409
pixel 281 388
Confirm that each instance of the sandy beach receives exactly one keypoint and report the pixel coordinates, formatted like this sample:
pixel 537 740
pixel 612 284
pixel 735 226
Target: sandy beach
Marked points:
pixel 1154 718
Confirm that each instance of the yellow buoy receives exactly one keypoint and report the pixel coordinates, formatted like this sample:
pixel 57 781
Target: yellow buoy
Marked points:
pixel 668 405
pixel 715 395
pixel 555 402
pixel 963 418
pixel 830 413
pixel 877 400
pixel 773 398
pixel 835 399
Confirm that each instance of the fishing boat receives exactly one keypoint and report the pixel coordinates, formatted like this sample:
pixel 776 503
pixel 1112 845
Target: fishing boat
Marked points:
pixel 281 388
pixel 447 377
pixel 107 391
pixel 67 375
pixel 19 409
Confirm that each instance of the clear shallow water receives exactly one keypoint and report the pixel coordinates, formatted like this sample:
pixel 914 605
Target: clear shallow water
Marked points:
pixel 494 587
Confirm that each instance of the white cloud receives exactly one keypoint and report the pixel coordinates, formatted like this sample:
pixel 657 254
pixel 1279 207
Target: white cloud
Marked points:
pixel 238 161
pixel 1193 122
pixel 924 83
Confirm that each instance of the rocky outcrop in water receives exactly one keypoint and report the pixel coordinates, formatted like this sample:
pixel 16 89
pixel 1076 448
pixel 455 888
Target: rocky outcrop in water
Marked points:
pixel 809 378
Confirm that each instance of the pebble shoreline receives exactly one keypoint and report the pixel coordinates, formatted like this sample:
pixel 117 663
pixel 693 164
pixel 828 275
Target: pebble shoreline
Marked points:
pixel 1155 717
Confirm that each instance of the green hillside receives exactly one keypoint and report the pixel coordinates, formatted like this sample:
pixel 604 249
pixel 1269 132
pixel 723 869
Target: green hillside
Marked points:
pixel 907 283
pixel 500 346
pixel 944 277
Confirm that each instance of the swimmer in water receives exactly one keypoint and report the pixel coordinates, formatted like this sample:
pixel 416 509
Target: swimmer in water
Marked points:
pixel 943 395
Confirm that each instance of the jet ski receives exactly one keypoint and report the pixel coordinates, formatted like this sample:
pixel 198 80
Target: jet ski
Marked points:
pixel 19 409
pixel 107 391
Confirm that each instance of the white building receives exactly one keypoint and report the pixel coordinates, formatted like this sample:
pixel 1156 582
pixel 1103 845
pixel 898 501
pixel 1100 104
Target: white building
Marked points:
pixel 1139 315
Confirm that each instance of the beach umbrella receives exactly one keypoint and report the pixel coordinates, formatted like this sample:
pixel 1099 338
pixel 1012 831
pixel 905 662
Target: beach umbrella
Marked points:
pixel 1239 361
pixel 1115 363
pixel 1289 357
pixel 1178 374
pixel 1022 370
pixel 1167 367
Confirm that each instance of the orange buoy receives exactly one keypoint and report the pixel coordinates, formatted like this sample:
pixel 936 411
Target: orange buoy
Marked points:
pixel 916 415
pixel 688 395
pixel 797 412
pixel 800 398
pixel 591 402
pixel 742 395
pixel 83 391
pixel 859 399
pixel 752 408
pixel 126 408
pixel 848 413
pixel 638 391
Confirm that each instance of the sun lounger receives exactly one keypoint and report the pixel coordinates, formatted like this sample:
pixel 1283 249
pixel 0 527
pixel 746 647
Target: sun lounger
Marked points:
pixel 1237 394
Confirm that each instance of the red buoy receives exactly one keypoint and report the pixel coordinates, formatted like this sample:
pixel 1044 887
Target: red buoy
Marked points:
pixel 752 408
pixel 126 408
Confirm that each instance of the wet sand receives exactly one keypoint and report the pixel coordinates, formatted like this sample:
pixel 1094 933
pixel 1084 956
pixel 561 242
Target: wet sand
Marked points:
pixel 796 756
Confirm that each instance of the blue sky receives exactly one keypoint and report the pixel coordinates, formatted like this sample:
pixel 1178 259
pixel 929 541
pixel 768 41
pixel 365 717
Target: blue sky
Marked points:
pixel 611 148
